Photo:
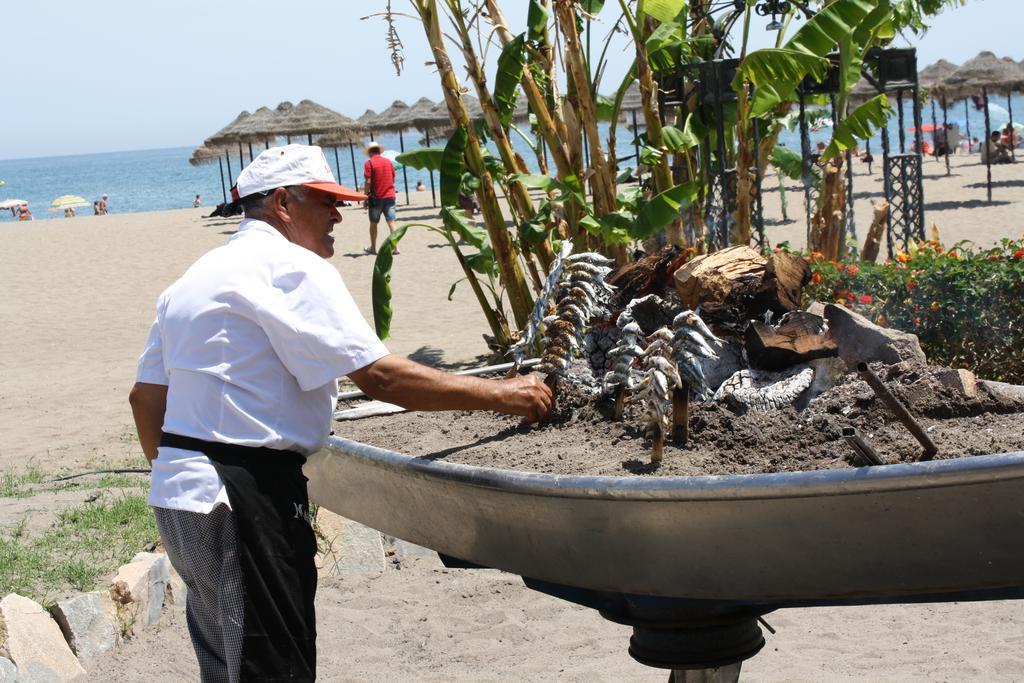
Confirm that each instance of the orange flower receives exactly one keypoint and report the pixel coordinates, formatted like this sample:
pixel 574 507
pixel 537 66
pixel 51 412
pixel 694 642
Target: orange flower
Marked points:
pixel 852 270
pixel 934 307
pixel 816 278
pixel 902 258
pixel 841 267
pixel 817 255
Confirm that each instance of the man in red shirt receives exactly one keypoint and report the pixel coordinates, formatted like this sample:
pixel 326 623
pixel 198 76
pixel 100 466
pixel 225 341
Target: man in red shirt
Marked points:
pixel 380 188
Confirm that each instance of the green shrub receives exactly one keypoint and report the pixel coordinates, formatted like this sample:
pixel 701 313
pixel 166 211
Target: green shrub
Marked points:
pixel 966 305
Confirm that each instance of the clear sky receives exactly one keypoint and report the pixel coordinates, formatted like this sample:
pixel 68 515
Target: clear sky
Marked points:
pixel 123 74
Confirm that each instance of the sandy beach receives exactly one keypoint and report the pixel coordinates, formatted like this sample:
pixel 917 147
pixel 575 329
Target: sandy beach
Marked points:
pixel 79 296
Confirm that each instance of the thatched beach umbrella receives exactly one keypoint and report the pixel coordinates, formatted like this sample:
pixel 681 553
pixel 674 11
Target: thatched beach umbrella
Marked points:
pixel 261 126
pixel 205 154
pixel 428 116
pixel 309 118
pixel 230 134
pixel 931 77
pixel 397 118
pixel 371 120
pixel 983 73
pixel 349 137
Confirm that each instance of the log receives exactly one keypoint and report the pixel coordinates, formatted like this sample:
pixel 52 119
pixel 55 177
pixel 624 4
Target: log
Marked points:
pixel 875 232
pixel 714 280
pixel 783 283
pixel 798 340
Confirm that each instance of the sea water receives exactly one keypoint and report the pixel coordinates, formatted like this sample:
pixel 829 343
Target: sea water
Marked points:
pixel 161 179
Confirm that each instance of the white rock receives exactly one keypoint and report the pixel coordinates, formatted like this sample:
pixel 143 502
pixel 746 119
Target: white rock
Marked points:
pixel 35 644
pixel 89 623
pixel 8 672
pixel 138 590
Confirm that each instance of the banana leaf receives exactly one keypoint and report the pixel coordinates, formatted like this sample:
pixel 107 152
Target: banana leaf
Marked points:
pixel 510 72
pixel 663 209
pixel 788 161
pixel 381 288
pixel 778 71
pixel 861 123
pixel 662 10
pixel 536 21
pixel 453 165
pixel 424 158
pixel 592 7
pixel 456 221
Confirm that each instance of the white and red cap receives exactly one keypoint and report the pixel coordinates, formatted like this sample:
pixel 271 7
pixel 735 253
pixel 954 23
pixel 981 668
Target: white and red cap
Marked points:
pixel 290 165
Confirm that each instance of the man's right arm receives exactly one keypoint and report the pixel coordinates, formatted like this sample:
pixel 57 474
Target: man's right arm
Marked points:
pixel 149 403
pixel 418 387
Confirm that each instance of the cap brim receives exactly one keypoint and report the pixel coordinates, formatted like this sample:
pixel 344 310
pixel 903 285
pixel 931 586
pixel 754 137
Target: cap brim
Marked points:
pixel 339 191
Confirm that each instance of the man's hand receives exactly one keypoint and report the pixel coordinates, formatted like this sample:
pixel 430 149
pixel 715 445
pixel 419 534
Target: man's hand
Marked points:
pixel 526 395
pixel 416 387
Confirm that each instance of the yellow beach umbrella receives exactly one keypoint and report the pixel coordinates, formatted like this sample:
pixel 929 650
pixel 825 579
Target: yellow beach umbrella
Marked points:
pixel 69 201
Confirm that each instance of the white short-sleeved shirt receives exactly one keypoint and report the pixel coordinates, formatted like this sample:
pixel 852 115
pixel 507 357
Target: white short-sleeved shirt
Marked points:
pixel 250 343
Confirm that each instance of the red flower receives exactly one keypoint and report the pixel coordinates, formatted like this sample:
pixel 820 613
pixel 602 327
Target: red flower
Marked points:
pixel 864 299
pixel 1018 255
pixel 816 278
pixel 911 284
pixel 852 270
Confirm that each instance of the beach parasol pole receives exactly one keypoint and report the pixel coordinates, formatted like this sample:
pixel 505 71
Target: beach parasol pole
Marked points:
pixel 405 174
pixel 223 191
pixel 231 175
pixel 988 134
pixel 241 159
pixel 945 127
pixel 636 147
pixel 967 123
pixel 935 132
pixel 250 150
pixel 433 196
pixel 337 164
pixel 1013 134
pixel 355 178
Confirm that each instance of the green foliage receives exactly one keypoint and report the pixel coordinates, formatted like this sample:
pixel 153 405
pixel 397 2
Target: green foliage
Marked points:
pixel 536 21
pixel 862 123
pixel 425 158
pixel 788 161
pixel 453 165
pixel 777 72
pixel 510 70
pixel 381 287
pixel 966 305
pixel 663 209
pixel 662 10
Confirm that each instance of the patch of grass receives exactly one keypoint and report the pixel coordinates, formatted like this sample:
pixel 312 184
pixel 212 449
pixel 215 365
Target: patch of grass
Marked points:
pixel 14 485
pixel 86 542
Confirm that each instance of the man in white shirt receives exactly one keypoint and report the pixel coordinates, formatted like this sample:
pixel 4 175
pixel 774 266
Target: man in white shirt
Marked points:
pixel 236 386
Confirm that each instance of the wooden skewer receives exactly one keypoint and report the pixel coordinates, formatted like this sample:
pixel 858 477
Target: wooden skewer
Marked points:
pixel 658 450
pixel 681 413
pixel 620 402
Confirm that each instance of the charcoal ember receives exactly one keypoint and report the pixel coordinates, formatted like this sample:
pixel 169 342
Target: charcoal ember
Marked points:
pixel 596 345
pixel 762 391
pixel 651 313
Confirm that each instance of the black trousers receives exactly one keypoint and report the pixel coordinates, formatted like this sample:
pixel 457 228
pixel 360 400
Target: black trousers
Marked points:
pixel 276 549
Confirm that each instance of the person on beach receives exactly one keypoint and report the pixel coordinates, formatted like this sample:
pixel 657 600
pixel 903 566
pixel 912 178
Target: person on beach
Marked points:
pixel 236 386
pixel 197 202
pixel 96 208
pixel 69 212
pixel 103 205
pixel 24 214
pixel 420 187
pixel 380 191
pixel 994 151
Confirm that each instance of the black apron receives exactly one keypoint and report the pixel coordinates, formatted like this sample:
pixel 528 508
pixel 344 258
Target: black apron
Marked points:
pixel 276 549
